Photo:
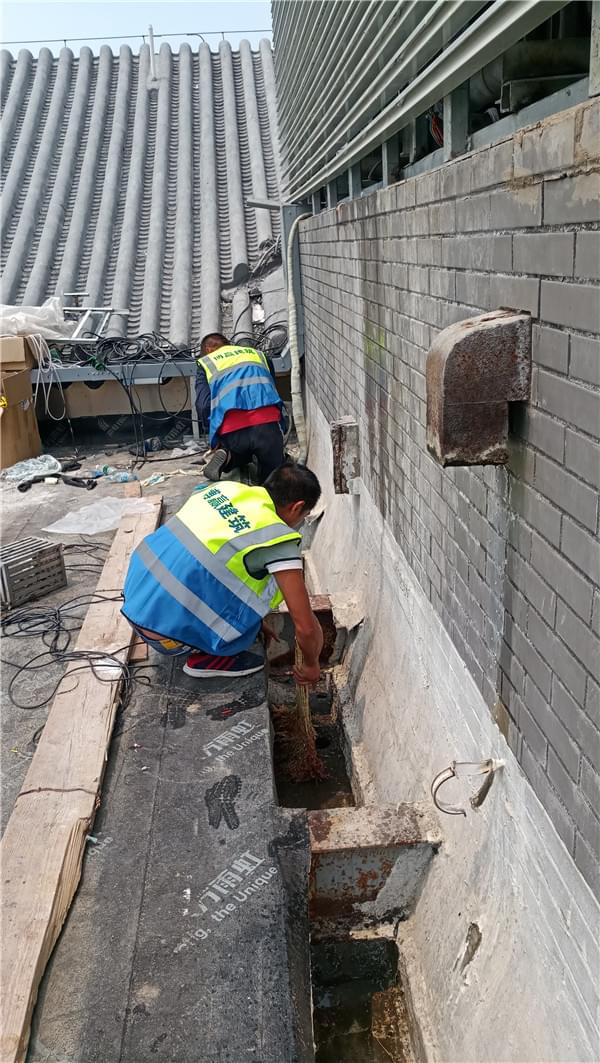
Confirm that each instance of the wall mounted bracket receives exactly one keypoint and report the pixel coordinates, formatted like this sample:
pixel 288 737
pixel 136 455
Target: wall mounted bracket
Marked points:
pixel 459 769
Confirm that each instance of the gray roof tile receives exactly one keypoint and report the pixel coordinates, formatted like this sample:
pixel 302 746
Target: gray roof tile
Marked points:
pixel 133 189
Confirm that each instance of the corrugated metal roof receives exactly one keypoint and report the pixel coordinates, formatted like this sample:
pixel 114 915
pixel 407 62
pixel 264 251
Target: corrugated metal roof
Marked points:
pixel 133 188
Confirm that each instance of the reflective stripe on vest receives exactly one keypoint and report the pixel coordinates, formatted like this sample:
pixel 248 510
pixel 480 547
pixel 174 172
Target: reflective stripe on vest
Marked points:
pixel 223 360
pixel 189 581
pixel 236 383
pixel 184 596
pixel 239 379
pixel 259 537
pixel 217 564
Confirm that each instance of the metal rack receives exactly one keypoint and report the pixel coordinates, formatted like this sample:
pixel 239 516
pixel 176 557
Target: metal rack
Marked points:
pixel 130 373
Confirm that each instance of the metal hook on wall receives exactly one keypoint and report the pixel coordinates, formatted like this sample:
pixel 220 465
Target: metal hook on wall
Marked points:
pixel 458 769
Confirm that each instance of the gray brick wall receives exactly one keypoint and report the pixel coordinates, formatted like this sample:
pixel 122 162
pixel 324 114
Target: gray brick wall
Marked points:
pixel 508 557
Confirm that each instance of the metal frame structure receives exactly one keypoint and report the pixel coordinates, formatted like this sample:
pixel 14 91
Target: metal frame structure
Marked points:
pixel 131 373
pixel 138 372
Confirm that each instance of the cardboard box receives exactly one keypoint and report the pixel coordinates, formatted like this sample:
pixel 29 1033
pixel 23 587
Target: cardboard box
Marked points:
pixel 111 398
pixel 15 354
pixel 15 388
pixel 19 435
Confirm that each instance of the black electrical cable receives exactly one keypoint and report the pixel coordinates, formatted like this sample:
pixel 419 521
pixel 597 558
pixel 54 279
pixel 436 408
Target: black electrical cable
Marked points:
pixel 93 551
pixel 270 345
pixel 84 566
pixel 93 659
pixel 244 339
pixel 110 351
pixel 138 429
pixel 168 414
pixel 132 352
pixel 55 627
pixel 113 350
pixel 240 316
pixel 263 339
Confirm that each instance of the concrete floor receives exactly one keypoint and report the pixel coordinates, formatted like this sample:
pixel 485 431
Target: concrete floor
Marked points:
pixel 188 938
pixel 26 515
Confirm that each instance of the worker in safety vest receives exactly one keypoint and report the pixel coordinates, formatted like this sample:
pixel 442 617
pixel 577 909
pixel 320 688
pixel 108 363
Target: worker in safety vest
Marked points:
pixel 236 393
pixel 201 584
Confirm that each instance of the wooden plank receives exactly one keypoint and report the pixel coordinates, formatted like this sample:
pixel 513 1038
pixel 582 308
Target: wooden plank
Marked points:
pixel 41 852
pixel 112 576
pixel 139 651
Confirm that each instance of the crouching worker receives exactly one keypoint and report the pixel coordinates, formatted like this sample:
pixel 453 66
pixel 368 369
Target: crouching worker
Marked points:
pixel 201 584
pixel 236 392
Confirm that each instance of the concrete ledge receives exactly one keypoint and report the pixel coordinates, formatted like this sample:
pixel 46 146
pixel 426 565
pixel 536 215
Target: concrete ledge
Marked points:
pixel 368 864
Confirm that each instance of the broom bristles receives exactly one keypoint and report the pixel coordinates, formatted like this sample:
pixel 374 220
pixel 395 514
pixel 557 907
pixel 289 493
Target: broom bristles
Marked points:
pixel 298 736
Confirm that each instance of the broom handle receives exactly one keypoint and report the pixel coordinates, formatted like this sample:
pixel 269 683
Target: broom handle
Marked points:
pixel 302 695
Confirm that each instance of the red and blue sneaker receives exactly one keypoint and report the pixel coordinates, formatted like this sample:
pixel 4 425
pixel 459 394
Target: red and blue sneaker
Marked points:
pixel 207 666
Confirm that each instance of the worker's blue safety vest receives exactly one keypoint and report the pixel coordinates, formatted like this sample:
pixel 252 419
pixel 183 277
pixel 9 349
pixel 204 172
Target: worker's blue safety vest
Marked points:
pixel 188 580
pixel 239 379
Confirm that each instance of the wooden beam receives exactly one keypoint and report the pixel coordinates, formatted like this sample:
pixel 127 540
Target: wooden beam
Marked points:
pixel 41 853
pixel 139 651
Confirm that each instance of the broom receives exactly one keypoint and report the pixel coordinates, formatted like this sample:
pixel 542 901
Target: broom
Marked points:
pixel 299 738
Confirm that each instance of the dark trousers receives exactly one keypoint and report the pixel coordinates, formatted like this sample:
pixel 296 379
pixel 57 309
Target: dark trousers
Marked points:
pixel 263 442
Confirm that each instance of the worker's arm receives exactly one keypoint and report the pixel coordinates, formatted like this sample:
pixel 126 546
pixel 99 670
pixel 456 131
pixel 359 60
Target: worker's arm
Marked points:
pixel 202 396
pixel 309 633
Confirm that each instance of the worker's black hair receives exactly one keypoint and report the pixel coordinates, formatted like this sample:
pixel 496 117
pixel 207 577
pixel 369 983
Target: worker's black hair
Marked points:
pixel 293 483
pixel 212 341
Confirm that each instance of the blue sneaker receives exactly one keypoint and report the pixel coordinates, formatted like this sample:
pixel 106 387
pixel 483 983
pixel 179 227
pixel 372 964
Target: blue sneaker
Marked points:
pixel 207 666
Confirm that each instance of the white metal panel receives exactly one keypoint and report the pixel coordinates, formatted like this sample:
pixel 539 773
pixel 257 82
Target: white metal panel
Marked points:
pixel 351 75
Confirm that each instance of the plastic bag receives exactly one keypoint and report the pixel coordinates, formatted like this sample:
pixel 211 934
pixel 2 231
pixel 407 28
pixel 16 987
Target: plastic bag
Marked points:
pixel 45 465
pixel 46 320
pixel 101 516
pixel 191 447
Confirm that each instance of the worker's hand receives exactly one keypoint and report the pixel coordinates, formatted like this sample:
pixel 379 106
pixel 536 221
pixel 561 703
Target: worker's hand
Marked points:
pixel 309 634
pixel 306 675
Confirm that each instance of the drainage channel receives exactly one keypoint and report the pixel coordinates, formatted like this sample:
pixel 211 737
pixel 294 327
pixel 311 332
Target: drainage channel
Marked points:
pixel 359 1009
pixel 359 1012
pixel 334 791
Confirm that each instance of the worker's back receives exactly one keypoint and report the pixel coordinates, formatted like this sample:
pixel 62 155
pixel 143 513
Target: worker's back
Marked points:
pixel 190 580
pixel 239 378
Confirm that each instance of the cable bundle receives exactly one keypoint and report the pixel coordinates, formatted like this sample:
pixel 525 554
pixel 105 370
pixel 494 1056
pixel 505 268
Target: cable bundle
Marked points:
pixel 92 552
pixel 55 626
pixel 270 339
pixel 114 350
pixel 107 353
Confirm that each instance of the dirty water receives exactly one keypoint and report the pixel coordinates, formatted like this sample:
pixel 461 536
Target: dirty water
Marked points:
pixel 359 1011
pixel 334 791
